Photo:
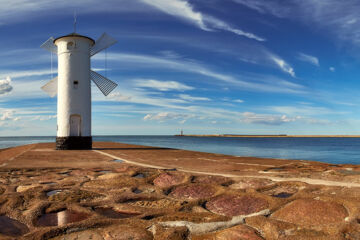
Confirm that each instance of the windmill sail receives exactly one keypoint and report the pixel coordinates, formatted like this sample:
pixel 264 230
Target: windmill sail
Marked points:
pixel 102 43
pixel 51 87
pixel 105 85
pixel 49 45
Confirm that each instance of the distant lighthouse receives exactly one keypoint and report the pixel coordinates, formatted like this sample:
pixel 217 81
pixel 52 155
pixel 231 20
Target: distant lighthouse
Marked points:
pixel 73 87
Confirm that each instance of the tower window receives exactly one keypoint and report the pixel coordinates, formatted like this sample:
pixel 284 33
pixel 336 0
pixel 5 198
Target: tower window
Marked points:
pixel 70 45
pixel 76 84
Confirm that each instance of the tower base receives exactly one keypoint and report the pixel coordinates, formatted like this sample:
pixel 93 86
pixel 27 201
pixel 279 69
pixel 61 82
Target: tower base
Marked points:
pixel 73 143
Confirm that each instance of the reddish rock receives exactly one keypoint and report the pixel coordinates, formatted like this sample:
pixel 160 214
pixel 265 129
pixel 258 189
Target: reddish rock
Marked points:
pixel 78 172
pixel 122 169
pixel 86 235
pixel 309 212
pixel 282 190
pixel 25 188
pixel 213 180
pixel 165 179
pixel 251 183
pixel 240 232
pixel 193 191
pixel 234 205
pixel 127 233
pixel 176 233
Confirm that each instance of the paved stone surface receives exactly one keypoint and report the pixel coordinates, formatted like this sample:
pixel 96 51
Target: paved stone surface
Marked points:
pixel 120 191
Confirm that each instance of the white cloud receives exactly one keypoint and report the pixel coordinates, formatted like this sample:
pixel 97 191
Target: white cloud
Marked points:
pixel 22 10
pixel 266 6
pixel 26 73
pixel 238 101
pixel 179 8
pixel 303 110
pixel 5 86
pixel 44 117
pixel 8 115
pixel 191 98
pixel 332 69
pixel 253 82
pixel 308 58
pixel 249 117
pixel 284 66
pixel 165 116
pixel 24 57
pixel 339 18
pixel 162 85
pixel 218 24
pixel 170 54
pixel 184 10
pixel 140 97
pixel 26 89
pixel 117 96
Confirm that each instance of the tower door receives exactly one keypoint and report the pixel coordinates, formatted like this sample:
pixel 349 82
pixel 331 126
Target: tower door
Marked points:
pixel 75 125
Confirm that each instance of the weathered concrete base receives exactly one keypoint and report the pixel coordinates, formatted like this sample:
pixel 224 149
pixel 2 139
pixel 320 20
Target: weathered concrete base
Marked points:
pixel 73 143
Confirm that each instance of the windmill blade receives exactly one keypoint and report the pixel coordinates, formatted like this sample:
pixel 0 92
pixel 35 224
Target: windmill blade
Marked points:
pixel 49 45
pixel 102 43
pixel 51 87
pixel 105 85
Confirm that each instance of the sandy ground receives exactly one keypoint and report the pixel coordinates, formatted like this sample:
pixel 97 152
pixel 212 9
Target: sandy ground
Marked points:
pixel 120 191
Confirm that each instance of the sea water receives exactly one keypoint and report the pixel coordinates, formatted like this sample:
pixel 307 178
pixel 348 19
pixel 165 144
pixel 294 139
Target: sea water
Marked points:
pixel 330 150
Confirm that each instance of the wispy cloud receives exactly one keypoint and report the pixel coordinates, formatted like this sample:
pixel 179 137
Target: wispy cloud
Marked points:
pixel 162 85
pixel 22 73
pixel 249 117
pixel 21 10
pixel 26 89
pixel 139 97
pixel 216 115
pixel 264 6
pixel 8 115
pixel 184 10
pixel 179 8
pixel 308 58
pixel 332 69
pixel 284 66
pixel 117 96
pixel 44 117
pixel 341 18
pixel 166 116
pixel 192 98
pixel 253 82
pixel 303 110
pixel 5 86
pixel 238 101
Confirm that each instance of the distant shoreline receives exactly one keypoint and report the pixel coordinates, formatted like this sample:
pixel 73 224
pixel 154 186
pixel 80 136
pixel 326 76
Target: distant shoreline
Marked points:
pixel 270 136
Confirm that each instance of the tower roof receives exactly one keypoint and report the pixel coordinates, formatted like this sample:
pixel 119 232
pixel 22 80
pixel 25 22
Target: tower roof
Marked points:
pixel 75 35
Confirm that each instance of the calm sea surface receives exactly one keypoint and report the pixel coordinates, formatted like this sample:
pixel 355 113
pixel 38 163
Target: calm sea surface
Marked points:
pixel 331 150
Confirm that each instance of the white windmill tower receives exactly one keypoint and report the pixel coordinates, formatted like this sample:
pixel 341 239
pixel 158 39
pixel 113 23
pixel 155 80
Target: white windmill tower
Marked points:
pixel 72 85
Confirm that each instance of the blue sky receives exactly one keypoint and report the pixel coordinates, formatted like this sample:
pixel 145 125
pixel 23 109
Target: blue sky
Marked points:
pixel 205 66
